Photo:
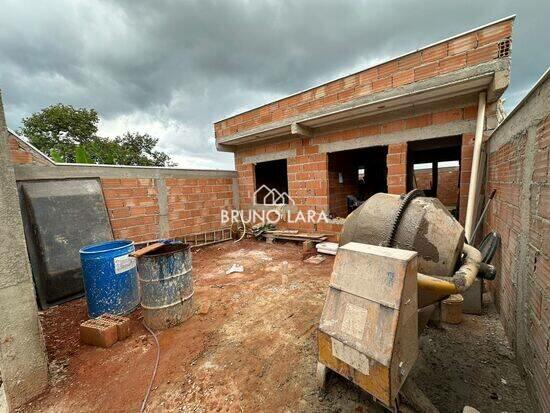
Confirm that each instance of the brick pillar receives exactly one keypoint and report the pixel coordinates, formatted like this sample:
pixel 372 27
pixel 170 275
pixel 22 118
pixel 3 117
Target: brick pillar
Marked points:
pixel 308 181
pixel 466 156
pixel 397 168
pixel 245 179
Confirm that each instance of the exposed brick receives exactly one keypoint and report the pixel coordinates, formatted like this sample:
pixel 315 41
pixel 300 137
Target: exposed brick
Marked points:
pixel 466 50
pixel 403 77
pixel 494 33
pixel 419 121
pixel 482 54
pixel 381 84
pixel 463 44
pixel 434 53
pixel 395 126
pixel 426 71
pixel 410 61
pixel 452 63
pixel 447 116
pixel 387 69
pixel 100 333
pixel 368 76
pixel 122 324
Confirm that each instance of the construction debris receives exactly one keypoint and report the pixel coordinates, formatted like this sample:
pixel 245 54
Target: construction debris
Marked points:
pixel 316 259
pixel 234 268
pixel 299 237
pixel 330 248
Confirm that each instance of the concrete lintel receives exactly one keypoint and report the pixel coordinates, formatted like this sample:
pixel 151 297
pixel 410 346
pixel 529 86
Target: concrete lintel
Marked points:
pixel 33 172
pixel 273 156
pixel 408 135
pixel 297 129
pixel 310 119
pixel 223 148
pixel 498 86
pixel 406 113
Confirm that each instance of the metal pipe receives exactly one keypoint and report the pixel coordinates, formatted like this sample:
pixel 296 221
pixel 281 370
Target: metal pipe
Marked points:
pixel 480 221
pixel 461 280
pixel 474 176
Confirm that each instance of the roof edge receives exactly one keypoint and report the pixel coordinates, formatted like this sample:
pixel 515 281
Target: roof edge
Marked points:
pixel 30 145
pixel 511 17
pixel 100 165
pixel 520 104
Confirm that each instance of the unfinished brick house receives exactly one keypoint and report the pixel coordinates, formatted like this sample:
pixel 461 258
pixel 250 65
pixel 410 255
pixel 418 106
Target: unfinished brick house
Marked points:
pixel 407 123
pixel 364 133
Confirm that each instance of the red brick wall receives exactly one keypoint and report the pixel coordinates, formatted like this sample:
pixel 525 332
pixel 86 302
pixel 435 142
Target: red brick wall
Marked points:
pixel 537 294
pixel 397 168
pixel 447 186
pixel 133 208
pixel 468 50
pixel 194 205
pixel 506 169
pixel 22 154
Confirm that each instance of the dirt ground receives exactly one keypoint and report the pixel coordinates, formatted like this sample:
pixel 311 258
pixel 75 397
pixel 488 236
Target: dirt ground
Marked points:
pixel 251 348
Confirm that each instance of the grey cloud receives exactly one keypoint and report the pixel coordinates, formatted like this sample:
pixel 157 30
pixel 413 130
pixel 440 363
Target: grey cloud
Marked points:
pixel 191 63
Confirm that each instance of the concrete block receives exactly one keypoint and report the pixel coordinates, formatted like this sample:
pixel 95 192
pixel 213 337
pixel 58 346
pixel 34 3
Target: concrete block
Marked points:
pixel 473 298
pixel 97 332
pixel 122 325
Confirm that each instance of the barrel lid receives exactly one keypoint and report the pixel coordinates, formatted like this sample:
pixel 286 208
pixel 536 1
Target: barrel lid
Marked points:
pixel 106 246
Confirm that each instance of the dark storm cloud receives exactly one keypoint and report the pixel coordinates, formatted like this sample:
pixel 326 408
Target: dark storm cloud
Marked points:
pixel 172 68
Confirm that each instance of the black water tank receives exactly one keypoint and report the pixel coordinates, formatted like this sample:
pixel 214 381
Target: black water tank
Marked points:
pixel 60 217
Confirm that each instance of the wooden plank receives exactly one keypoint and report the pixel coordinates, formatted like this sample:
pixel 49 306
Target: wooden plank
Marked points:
pixel 362 324
pixel 271 237
pixel 375 383
pixel 382 283
pixel 149 248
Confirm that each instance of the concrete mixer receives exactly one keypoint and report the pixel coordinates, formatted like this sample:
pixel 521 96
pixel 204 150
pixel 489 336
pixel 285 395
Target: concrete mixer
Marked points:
pixel 399 256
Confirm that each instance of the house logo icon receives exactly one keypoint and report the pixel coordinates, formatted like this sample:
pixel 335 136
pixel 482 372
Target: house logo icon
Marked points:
pixel 271 197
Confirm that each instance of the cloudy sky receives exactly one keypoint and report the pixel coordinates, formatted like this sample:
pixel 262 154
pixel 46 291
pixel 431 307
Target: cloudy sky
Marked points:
pixel 172 68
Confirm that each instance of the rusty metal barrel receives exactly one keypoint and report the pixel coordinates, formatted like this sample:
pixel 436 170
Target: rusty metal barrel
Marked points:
pixel 425 226
pixel 165 278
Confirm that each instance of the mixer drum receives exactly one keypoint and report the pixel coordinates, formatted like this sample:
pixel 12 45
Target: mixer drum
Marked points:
pixel 425 227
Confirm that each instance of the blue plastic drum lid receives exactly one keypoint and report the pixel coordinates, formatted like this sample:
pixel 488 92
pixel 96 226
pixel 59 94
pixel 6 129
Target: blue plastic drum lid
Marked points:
pixel 110 277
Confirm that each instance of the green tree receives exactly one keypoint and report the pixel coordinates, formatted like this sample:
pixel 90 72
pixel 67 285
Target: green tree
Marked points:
pixel 139 149
pixel 69 134
pixel 61 128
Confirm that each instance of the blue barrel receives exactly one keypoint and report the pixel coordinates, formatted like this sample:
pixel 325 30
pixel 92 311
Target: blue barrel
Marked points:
pixel 110 277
